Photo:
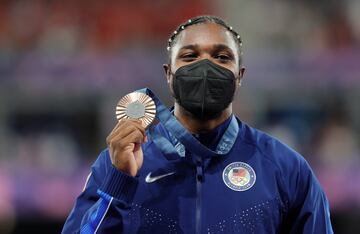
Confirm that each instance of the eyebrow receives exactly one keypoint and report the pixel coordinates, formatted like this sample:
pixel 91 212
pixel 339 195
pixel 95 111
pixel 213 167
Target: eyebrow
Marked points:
pixel 190 47
pixel 216 47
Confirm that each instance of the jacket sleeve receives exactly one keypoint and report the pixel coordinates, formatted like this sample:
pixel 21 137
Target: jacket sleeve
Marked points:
pixel 104 202
pixel 309 208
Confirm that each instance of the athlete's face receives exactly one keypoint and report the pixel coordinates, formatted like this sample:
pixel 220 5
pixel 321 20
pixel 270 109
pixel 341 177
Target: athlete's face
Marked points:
pixel 205 41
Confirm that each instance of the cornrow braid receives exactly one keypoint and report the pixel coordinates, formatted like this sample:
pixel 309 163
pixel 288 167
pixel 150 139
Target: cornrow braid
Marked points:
pixel 204 19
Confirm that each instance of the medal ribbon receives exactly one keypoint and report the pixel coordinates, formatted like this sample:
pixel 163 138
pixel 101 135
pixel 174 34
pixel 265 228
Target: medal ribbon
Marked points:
pixel 174 127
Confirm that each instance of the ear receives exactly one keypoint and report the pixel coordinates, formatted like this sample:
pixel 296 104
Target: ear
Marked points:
pixel 241 74
pixel 167 71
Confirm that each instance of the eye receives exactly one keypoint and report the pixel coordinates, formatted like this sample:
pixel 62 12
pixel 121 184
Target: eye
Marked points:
pixel 188 57
pixel 223 58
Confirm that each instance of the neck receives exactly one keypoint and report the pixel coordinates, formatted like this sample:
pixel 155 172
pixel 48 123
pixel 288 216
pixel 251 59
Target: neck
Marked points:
pixel 196 126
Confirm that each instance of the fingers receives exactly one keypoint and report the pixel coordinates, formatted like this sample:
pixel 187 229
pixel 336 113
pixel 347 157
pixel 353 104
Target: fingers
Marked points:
pixel 133 137
pixel 123 124
pixel 127 131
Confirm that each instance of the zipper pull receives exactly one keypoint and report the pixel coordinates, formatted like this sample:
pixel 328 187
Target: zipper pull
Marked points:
pixel 199 169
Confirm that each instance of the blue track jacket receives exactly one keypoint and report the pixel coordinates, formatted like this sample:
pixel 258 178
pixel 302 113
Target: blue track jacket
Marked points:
pixel 245 182
pixel 259 186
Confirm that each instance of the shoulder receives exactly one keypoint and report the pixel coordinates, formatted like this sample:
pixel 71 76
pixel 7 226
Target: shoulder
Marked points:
pixel 273 150
pixel 294 173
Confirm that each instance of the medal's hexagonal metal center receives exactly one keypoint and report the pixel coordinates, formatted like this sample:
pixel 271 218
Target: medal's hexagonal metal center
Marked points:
pixel 135 110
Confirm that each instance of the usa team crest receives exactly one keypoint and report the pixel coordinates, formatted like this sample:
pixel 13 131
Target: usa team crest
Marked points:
pixel 239 176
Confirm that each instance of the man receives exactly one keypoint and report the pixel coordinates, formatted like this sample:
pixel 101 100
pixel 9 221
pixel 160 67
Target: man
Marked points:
pixel 206 172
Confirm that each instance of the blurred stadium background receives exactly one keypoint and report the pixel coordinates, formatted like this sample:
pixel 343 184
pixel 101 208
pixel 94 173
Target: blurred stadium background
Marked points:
pixel 64 64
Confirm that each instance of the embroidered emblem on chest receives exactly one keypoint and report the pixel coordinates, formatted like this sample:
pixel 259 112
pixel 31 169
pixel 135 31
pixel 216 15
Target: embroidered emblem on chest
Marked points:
pixel 239 176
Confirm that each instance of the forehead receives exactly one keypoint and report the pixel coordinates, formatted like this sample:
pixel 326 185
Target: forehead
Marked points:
pixel 205 35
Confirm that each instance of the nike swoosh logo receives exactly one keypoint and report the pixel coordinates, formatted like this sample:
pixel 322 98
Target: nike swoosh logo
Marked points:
pixel 150 179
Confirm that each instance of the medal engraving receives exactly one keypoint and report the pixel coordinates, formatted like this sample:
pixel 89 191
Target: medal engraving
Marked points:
pixel 135 110
pixel 136 105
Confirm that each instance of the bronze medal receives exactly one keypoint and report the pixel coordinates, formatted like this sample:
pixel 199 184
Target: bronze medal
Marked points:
pixel 136 105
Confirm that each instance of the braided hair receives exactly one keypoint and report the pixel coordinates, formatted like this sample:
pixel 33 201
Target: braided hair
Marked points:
pixel 200 20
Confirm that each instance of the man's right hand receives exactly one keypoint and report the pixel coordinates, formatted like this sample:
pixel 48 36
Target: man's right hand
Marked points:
pixel 124 144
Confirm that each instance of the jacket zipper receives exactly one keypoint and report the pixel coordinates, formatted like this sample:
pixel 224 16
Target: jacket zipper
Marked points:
pixel 199 179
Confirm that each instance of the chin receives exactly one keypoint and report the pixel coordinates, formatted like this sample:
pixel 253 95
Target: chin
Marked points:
pixel 205 116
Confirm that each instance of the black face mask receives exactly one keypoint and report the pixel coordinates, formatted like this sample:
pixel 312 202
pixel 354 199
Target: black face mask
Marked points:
pixel 204 88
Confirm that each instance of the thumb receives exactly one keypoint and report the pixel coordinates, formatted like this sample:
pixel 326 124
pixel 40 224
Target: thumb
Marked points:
pixel 138 155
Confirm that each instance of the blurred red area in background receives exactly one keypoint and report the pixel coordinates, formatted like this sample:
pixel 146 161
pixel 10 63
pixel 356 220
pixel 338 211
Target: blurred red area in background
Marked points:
pixel 100 24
